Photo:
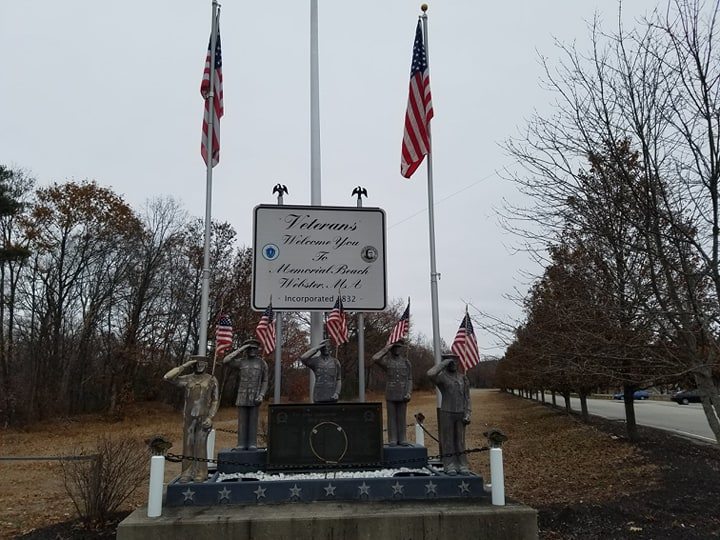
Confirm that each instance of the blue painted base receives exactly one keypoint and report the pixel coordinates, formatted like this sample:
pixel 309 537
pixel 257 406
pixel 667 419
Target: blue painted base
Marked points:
pixel 252 492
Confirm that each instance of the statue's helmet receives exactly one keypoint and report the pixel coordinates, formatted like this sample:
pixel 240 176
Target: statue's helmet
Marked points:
pixel 201 362
pixel 249 344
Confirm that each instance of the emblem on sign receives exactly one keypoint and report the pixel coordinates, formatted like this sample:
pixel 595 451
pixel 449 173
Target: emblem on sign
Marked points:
pixel 270 252
pixel 369 254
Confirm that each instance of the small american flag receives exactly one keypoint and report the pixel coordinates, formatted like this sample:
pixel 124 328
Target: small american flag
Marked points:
pixel 218 106
pixel 265 330
pixel 400 331
pixel 465 345
pixel 416 138
pixel 336 324
pixel 223 334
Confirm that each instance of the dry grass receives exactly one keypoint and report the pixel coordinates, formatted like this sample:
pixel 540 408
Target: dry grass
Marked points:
pixel 549 457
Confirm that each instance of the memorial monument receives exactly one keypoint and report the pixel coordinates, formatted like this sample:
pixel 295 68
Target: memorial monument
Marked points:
pixel 252 386
pixel 398 389
pixel 201 404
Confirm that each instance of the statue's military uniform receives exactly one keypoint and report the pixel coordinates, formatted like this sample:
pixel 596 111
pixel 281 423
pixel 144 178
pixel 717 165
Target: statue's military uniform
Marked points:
pixel 252 385
pixel 397 394
pixel 327 375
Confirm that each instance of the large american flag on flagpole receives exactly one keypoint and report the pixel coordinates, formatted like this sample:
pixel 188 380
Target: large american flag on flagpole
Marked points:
pixel 223 334
pixel 416 138
pixel 465 344
pixel 265 330
pixel 401 328
pixel 218 105
pixel 336 324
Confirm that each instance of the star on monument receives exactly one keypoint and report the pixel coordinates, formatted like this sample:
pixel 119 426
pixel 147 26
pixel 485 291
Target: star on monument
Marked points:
pixel 224 495
pixel 364 489
pixel 464 487
pixel 329 490
pixel 431 488
pixel 189 494
pixel 397 488
pixel 295 492
pixel 259 492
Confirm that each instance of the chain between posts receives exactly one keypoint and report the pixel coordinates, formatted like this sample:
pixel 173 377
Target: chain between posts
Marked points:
pixel 177 458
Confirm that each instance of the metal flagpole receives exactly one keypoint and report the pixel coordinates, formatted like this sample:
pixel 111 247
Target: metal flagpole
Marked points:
pixel 210 99
pixel 360 192
pixel 316 326
pixel 434 275
pixel 279 189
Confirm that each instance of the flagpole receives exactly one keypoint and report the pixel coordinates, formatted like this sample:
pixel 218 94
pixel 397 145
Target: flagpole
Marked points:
pixel 360 191
pixel 434 276
pixel 210 100
pixel 316 326
pixel 279 189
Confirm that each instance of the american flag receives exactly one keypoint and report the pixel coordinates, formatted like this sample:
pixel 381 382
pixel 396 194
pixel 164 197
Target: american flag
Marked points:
pixel 218 106
pixel 400 331
pixel 265 330
pixel 416 138
pixel 223 334
pixel 336 324
pixel 465 345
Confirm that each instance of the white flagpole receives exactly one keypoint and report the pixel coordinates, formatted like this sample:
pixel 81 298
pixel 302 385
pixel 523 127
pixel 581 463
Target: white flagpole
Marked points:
pixel 210 99
pixel 434 276
pixel 316 322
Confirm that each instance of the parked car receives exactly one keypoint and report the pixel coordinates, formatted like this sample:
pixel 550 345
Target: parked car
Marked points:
pixel 638 394
pixel 683 397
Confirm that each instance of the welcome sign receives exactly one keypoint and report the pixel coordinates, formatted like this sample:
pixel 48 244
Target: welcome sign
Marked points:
pixel 304 256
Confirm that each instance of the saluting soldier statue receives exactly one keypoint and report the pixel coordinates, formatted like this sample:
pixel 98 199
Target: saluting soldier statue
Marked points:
pixel 397 389
pixel 454 412
pixel 201 404
pixel 327 372
pixel 252 385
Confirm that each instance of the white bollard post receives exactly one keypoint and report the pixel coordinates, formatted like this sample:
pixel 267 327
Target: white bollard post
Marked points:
pixel 155 492
pixel 419 434
pixel 497 477
pixel 211 444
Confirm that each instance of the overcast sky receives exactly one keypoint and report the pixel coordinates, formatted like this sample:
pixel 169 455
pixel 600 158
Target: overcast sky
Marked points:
pixel 110 91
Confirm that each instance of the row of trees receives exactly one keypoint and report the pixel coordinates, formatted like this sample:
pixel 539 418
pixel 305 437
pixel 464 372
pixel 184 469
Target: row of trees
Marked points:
pixel 623 175
pixel 98 300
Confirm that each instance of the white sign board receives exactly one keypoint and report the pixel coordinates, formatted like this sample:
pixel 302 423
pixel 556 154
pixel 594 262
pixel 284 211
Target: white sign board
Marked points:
pixel 303 256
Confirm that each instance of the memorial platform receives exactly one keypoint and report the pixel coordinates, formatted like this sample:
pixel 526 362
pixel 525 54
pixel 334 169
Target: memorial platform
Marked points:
pixel 401 520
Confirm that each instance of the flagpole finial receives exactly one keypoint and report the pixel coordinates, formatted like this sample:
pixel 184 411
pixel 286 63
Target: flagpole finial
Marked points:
pixel 424 8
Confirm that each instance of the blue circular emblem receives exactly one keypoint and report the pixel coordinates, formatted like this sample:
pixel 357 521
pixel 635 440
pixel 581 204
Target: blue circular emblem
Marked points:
pixel 270 252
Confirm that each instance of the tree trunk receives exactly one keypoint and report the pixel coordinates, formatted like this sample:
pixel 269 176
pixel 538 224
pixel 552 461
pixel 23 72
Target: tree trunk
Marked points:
pixel 710 399
pixel 554 400
pixel 566 395
pixel 630 423
pixel 584 408
pixel 542 395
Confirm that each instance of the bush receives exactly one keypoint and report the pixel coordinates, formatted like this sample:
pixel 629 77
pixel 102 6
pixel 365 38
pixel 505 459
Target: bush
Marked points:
pixel 99 484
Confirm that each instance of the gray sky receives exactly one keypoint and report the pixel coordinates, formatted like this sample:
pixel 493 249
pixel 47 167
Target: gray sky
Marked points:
pixel 110 91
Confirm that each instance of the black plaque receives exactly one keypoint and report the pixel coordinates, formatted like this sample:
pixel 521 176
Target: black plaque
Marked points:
pixel 335 435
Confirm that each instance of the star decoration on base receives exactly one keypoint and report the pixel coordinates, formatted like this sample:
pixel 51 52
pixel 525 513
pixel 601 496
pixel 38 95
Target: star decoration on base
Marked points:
pixel 431 488
pixel 224 495
pixel 364 489
pixel 295 492
pixel 464 487
pixel 329 490
pixel 259 492
pixel 189 495
pixel 397 488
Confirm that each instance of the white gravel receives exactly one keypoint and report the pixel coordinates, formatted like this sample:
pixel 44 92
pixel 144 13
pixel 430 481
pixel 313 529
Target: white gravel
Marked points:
pixel 274 477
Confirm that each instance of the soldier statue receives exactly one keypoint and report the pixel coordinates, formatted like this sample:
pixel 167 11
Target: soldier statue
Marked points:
pixel 397 389
pixel 454 412
pixel 327 372
pixel 252 385
pixel 201 404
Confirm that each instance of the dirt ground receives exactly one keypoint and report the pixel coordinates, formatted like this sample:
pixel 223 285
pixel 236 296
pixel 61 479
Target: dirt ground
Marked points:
pixel 587 481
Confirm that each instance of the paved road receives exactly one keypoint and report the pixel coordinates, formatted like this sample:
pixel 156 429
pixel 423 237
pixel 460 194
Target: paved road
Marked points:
pixel 687 420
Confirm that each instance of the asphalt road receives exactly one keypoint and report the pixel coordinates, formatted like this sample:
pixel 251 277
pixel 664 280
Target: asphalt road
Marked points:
pixel 688 420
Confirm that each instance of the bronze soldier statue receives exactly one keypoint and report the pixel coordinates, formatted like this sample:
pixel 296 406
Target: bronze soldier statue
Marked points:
pixel 397 389
pixel 253 383
pixel 327 372
pixel 201 404
pixel 454 412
